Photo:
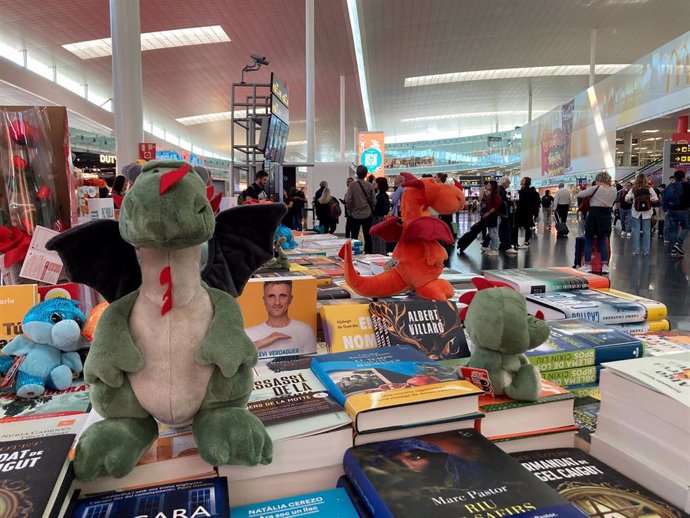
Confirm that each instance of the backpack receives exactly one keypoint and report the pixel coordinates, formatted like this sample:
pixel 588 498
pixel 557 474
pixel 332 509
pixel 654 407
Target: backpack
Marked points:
pixel 242 197
pixel 335 209
pixel 642 200
pixel 675 197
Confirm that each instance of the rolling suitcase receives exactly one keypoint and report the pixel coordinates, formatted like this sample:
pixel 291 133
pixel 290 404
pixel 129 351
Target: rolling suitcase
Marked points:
pixel 562 229
pixel 468 237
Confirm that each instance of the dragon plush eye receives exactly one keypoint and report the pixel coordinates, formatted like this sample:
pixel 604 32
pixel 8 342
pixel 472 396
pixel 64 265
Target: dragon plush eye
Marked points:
pixel 55 318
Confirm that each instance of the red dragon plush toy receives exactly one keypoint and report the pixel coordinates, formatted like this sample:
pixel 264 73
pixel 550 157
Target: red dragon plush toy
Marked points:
pixel 418 257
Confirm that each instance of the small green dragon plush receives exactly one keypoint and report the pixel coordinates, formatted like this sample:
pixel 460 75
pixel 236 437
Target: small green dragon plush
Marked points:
pixel 497 322
pixel 171 347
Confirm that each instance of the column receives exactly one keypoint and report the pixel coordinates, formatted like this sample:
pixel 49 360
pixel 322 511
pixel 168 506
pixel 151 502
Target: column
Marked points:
pixel 309 27
pixel 529 101
pixel 592 55
pixel 128 111
pixel 342 118
pixel 627 148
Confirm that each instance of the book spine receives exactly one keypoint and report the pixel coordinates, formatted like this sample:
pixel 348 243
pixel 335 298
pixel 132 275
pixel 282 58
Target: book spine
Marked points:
pixel 564 360
pixel 613 353
pixel 324 378
pixel 567 377
pixel 364 488
pixel 591 390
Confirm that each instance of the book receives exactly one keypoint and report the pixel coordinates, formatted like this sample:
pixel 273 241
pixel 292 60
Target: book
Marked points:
pixel 36 476
pixel 466 421
pixel 575 343
pixel 73 400
pixel 666 342
pixel 586 390
pixel 506 416
pixel 290 400
pixel 432 327
pixel 593 305
pixel 586 412
pixel 195 498
pixel 655 309
pixel 592 486
pixel 15 302
pixel 562 437
pixel 356 500
pixel 41 426
pixel 393 387
pixel 640 328
pixel 572 376
pixel 333 503
pixel 280 315
pixel 457 474
pixel 348 327
pixel 542 280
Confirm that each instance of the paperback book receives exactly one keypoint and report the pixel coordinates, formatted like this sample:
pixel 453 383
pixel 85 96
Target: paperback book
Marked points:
pixel 542 280
pixel 655 309
pixel 595 488
pixel 640 328
pixel 666 342
pixel 53 403
pixel 457 474
pixel 15 301
pixel 576 343
pixel 393 387
pixel 348 327
pixel 574 376
pixel 333 503
pixel 195 498
pixel 432 327
pixel 593 305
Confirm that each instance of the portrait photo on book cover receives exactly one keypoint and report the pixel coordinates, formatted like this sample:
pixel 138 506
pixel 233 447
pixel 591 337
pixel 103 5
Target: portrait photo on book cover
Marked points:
pixel 277 317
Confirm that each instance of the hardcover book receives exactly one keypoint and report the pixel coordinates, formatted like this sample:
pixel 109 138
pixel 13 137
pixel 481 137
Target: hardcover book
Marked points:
pixel 640 328
pixel 592 486
pixel 291 402
pixel 356 500
pixel 15 301
pixel 432 327
pixel 348 327
pixel 655 309
pixel 575 343
pixel 542 280
pixel 457 474
pixel 36 476
pixel 593 305
pixel 394 387
pixel 195 498
pixel 573 376
pixel 332 503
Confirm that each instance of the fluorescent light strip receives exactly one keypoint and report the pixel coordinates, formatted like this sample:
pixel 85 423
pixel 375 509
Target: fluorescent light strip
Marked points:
pixel 297 143
pixel 511 73
pixel 215 117
pixel 650 131
pixel 152 41
pixel 359 54
pixel 474 115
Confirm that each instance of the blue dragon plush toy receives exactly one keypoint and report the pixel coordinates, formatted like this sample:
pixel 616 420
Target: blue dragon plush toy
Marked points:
pixel 52 335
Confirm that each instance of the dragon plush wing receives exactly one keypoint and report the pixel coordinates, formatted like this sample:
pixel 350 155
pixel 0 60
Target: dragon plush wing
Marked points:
pixel 242 242
pixel 96 255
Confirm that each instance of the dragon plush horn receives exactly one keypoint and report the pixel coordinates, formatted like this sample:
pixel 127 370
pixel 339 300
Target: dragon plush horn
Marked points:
pixel 412 181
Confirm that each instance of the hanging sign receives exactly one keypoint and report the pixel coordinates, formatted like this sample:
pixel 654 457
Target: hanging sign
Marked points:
pixel 371 151
pixel 147 150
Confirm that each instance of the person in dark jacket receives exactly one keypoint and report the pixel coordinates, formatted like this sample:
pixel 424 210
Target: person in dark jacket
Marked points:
pixel 526 212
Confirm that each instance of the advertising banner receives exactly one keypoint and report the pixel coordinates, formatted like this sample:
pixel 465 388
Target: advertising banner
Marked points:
pixel 371 152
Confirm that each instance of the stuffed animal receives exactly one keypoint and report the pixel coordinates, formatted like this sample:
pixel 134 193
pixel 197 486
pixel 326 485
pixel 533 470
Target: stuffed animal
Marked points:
pixel 418 257
pixel 501 331
pixel 51 336
pixel 171 346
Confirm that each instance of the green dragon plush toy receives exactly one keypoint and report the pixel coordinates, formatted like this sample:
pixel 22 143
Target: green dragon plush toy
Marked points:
pixel 171 346
pixel 497 322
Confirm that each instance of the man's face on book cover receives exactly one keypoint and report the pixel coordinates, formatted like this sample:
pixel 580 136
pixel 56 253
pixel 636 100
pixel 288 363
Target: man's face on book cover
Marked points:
pixel 277 299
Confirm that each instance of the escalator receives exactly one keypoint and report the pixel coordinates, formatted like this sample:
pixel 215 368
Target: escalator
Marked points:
pixel 654 171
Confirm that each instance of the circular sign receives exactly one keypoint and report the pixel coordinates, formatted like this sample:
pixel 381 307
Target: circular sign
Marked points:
pixel 372 159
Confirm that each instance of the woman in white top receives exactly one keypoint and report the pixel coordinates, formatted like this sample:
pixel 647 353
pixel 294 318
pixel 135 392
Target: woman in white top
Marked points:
pixel 642 197
pixel 598 222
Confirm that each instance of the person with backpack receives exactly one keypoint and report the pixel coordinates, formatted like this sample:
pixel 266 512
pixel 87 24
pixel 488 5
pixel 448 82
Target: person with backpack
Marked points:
pixel 624 209
pixel 598 199
pixel 526 212
pixel 641 197
pixel 547 208
pixel 360 200
pixel 676 205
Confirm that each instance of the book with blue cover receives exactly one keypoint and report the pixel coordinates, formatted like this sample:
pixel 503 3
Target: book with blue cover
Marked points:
pixel 195 498
pixel 593 305
pixel 575 343
pixel 332 503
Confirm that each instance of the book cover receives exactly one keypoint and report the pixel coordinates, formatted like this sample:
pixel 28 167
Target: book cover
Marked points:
pixel 280 315
pixel 332 503
pixel 348 327
pixel 35 475
pixel 585 412
pixel 595 488
pixel 549 393
pixel 669 375
pixel 593 305
pixel 666 342
pixel 68 290
pixel 457 474
pixel 432 327
pixel 15 301
pixel 195 498
pixel 356 500
pixel 291 402
pixel 73 400
pixel 542 280
pixel 640 328
pixel 655 309
pixel 572 376
pixel 575 343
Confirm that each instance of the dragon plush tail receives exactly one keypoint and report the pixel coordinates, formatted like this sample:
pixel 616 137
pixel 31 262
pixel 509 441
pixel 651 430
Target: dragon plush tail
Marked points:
pixel 382 285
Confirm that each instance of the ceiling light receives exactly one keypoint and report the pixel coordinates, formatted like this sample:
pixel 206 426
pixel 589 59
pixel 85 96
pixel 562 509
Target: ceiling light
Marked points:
pixel 152 40
pixel 652 139
pixel 650 131
pixel 474 115
pixel 297 143
pixel 511 73
pixel 215 117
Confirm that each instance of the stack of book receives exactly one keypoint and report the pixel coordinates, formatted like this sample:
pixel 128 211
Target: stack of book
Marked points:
pixel 642 429
pixel 576 348
pixel 617 309
pixel 543 280
pixel 371 264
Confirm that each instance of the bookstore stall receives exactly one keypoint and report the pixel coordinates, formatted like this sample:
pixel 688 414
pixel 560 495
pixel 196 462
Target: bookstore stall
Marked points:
pixel 164 358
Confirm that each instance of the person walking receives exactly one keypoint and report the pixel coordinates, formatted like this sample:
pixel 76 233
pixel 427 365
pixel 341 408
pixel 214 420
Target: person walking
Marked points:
pixel 526 211
pixel 327 217
pixel 505 226
pixel 299 200
pixel 547 208
pixel 641 197
pixel 676 205
pixel 381 210
pixel 625 208
pixel 602 196
pixel 491 207
pixel 360 201
pixel 562 203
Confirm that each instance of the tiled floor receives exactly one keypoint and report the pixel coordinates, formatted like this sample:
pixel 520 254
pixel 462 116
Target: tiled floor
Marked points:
pixel 658 276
